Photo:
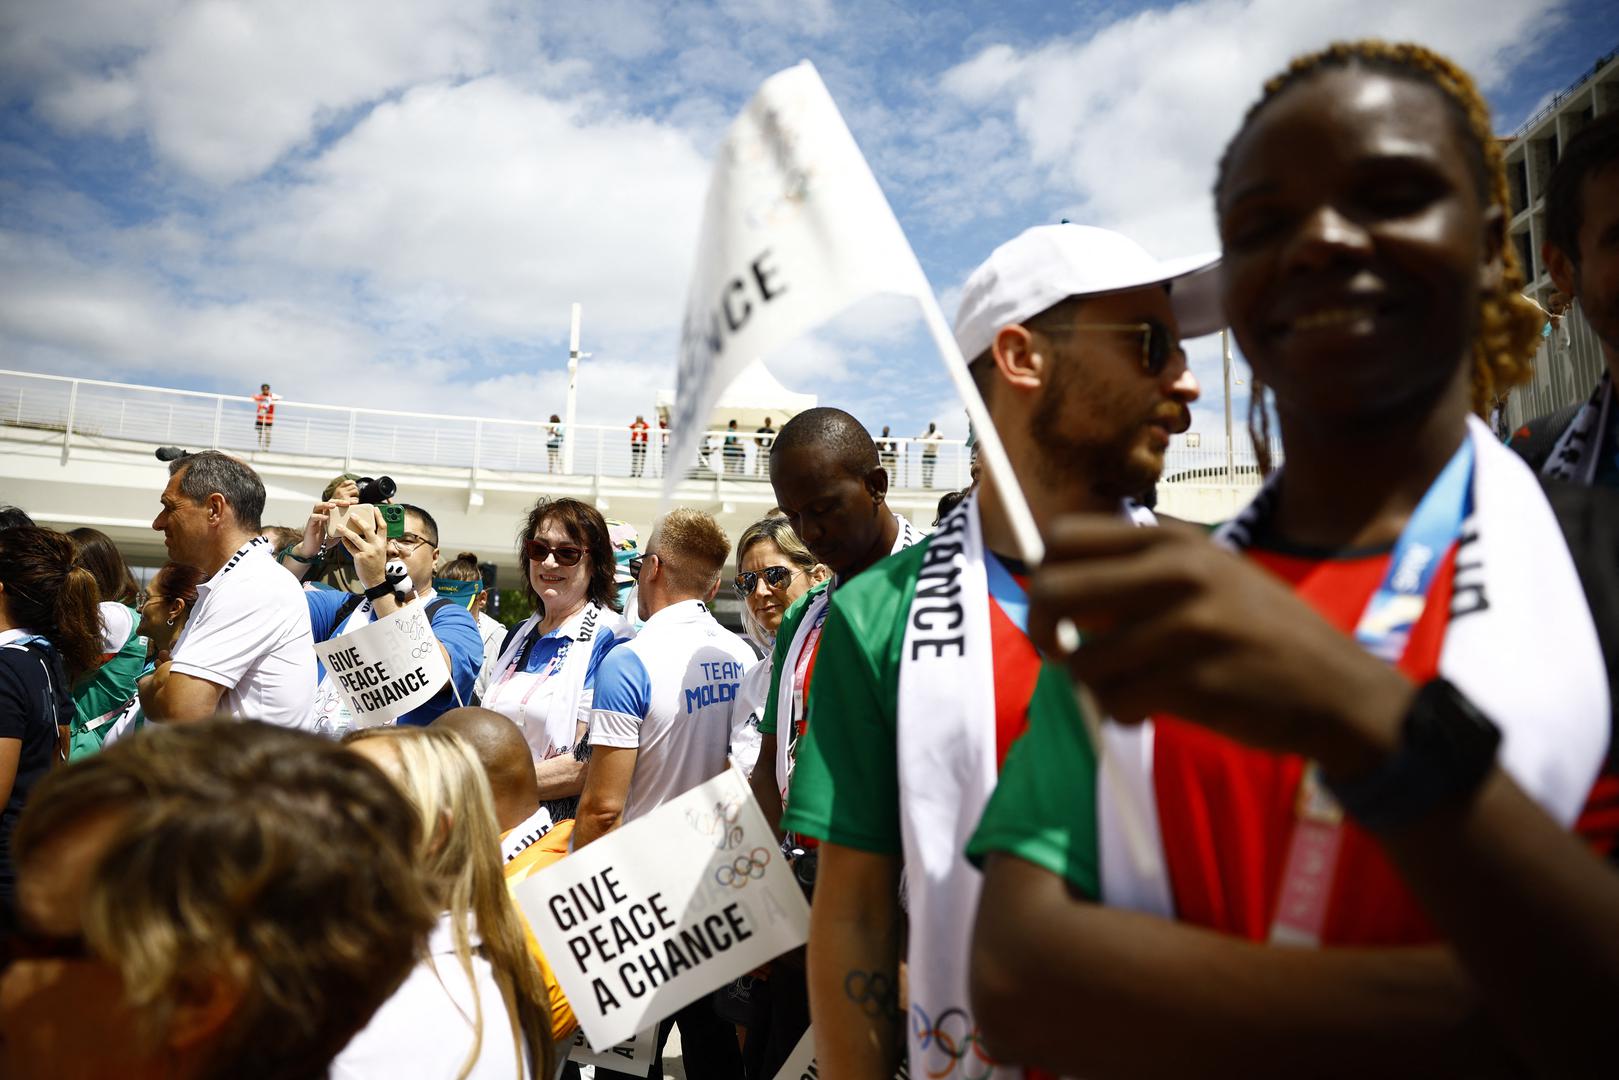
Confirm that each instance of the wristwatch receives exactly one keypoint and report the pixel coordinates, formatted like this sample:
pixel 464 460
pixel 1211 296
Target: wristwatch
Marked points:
pixel 1446 749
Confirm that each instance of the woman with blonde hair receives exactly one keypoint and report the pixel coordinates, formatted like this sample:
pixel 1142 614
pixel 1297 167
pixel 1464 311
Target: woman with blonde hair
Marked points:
pixel 774 570
pixel 444 1020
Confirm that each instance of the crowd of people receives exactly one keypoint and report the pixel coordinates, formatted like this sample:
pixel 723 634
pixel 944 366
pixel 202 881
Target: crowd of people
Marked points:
pixel 1329 791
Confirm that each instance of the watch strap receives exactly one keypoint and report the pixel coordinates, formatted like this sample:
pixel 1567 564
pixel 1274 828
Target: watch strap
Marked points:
pixel 1447 747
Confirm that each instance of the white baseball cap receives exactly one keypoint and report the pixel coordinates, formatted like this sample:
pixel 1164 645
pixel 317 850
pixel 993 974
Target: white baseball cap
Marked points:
pixel 1050 263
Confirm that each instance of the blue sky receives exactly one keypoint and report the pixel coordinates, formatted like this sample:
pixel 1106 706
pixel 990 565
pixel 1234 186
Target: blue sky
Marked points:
pixel 394 202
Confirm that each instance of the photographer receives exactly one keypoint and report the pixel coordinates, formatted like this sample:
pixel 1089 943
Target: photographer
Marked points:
pixel 328 565
pixel 362 533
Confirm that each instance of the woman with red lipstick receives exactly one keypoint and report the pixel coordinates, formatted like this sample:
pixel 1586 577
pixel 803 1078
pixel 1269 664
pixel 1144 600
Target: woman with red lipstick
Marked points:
pixel 1362 208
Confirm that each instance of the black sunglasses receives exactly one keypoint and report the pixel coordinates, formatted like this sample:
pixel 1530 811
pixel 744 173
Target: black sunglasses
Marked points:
pixel 635 564
pixel 566 555
pixel 775 576
pixel 1157 346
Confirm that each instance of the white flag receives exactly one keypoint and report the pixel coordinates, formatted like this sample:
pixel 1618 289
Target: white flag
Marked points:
pixel 795 229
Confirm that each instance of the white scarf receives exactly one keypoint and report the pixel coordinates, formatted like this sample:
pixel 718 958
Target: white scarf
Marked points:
pixel 530 832
pixel 1520 642
pixel 947 770
pixel 510 689
pixel 789 709
pixel 1578 450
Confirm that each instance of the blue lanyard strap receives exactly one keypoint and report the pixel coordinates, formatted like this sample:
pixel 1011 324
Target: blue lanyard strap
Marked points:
pixel 1397 605
pixel 1006 592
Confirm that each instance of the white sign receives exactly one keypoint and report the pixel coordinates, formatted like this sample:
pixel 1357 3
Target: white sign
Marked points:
pixel 633 1056
pixel 387 667
pixel 795 229
pixel 666 909
pixel 801 1063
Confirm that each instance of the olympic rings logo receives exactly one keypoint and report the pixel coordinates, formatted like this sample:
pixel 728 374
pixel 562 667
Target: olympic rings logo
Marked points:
pixel 744 868
pixel 719 824
pixel 422 649
pixel 953 1041
pixel 875 992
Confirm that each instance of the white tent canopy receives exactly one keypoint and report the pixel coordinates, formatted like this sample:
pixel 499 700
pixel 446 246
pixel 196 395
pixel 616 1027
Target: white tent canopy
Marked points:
pixel 752 396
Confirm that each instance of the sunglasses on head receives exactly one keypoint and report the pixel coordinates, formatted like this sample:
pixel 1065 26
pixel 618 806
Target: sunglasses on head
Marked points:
pixel 775 576
pixel 1157 345
pixel 566 555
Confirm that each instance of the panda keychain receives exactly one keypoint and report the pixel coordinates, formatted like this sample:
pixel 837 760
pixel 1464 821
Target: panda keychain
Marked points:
pixel 398 576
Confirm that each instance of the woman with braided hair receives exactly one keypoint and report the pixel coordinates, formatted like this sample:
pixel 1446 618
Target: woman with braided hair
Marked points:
pixel 1392 637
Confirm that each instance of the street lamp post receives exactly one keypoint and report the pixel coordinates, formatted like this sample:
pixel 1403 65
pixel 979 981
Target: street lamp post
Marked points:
pixel 573 394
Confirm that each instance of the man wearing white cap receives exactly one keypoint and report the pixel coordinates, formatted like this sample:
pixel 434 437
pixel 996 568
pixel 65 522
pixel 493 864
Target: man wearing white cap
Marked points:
pixel 1073 337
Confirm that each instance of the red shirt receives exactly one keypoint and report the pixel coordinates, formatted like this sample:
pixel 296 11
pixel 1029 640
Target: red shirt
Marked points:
pixel 266 407
pixel 1226 811
pixel 638 431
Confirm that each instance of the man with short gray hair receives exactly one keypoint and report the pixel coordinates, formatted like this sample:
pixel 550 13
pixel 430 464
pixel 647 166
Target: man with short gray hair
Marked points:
pixel 246 650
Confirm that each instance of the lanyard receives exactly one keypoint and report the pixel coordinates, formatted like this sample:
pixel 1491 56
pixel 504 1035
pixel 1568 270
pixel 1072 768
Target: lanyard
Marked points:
pixel 801 676
pixel 1384 631
pixel 1385 626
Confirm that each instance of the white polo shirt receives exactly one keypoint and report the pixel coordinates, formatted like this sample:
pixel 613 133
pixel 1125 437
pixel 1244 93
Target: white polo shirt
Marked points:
pixel 667 692
pixel 249 632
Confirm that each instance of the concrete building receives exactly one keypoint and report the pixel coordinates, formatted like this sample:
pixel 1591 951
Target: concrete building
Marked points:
pixel 1570 360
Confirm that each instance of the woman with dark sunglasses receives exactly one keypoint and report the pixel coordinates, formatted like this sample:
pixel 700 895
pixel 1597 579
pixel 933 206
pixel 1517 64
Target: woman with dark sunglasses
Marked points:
pixel 775 568
pixel 544 680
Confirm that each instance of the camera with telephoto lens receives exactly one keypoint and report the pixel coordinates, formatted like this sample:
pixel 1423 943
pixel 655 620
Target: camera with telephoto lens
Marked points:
pixel 376 489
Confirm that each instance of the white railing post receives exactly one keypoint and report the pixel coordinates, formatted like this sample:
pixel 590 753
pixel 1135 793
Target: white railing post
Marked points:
pixel 121 404
pixel 600 461
pixel 67 429
pixel 477 452
pixel 348 449
pixel 219 416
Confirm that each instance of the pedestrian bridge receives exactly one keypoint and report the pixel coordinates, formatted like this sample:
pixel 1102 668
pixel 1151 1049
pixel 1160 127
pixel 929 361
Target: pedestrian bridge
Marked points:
pixel 80 452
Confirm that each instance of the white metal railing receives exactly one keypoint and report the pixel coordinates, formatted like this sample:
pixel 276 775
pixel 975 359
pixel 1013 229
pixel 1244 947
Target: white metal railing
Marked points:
pixel 93 413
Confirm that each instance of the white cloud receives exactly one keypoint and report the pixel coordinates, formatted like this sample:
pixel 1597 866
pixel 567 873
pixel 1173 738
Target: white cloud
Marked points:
pixel 224 88
pixel 415 191
pixel 490 210
pixel 1131 120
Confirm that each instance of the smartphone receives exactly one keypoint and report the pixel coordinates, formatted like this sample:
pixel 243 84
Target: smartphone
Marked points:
pixel 391 517
pixel 394 518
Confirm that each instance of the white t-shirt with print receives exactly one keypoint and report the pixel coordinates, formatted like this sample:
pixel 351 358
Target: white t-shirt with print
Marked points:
pixel 249 632
pixel 668 692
